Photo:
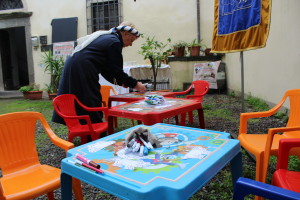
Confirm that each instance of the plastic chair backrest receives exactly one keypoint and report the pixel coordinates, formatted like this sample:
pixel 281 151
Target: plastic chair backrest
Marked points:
pixel 66 105
pixel 106 92
pixel 285 145
pixel 294 116
pixel 17 143
pixel 201 87
pixel 283 177
pixel 19 158
pixel 245 186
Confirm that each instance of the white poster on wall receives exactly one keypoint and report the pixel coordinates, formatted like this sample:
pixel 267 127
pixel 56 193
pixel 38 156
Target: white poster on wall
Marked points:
pixel 63 49
pixel 208 72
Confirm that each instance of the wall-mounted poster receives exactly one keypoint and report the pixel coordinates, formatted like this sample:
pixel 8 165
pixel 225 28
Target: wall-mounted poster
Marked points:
pixel 63 49
pixel 208 72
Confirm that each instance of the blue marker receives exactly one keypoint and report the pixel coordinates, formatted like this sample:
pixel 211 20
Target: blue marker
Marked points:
pixel 146 151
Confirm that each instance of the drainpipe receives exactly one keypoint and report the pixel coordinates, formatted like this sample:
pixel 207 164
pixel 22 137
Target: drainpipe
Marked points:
pixel 198 21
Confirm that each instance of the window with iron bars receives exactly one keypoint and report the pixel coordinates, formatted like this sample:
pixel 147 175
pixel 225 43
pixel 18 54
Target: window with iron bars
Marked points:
pixel 103 14
pixel 10 4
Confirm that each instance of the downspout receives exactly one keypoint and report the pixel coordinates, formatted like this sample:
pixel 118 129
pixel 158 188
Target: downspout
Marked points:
pixel 198 21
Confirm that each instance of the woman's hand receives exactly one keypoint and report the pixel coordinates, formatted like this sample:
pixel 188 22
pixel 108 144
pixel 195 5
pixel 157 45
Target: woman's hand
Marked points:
pixel 140 87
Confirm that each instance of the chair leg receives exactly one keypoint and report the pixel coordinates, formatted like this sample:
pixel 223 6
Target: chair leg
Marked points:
pixel 176 119
pixel 116 122
pixel 70 138
pixel 201 118
pixel 76 185
pixel 84 139
pixel 50 195
pixel 183 116
pixel 259 172
pixel 191 117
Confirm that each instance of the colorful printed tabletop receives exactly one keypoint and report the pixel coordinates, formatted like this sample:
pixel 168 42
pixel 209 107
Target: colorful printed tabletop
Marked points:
pixel 138 95
pixel 143 107
pixel 186 156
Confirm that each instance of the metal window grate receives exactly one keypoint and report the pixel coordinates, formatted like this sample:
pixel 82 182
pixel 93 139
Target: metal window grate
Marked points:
pixel 103 14
pixel 10 4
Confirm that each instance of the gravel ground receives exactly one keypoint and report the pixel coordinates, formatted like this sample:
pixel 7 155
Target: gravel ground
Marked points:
pixel 226 121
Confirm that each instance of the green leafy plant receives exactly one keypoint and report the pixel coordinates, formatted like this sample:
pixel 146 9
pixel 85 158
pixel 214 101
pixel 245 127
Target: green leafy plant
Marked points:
pixel 179 48
pixel 30 87
pixel 195 43
pixel 54 67
pixel 156 52
pixel 180 44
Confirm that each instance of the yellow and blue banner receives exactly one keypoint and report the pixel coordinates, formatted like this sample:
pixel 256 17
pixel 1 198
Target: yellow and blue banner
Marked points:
pixel 240 25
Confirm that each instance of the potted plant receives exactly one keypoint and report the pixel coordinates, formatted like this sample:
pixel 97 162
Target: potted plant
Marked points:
pixel 49 89
pixel 54 66
pixel 179 48
pixel 31 91
pixel 195 47
pixel 156 52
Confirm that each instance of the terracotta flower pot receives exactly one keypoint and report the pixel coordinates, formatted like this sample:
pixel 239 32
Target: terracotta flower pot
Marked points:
pixel 207 52
pixel 179 51
pixel 195 50
pixel 33 95
pixel 52 95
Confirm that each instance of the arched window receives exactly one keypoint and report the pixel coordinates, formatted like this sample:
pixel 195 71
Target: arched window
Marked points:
pixel 10 4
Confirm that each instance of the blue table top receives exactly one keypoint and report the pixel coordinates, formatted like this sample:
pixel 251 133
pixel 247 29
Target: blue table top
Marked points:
pixel 189 158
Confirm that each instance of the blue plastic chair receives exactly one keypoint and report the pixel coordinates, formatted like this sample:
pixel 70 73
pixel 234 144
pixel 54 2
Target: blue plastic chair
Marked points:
pixel 245 186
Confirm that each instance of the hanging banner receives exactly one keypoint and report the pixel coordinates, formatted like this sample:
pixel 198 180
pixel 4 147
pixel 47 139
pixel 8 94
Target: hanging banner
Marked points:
pixel 207 72
pixel 240 25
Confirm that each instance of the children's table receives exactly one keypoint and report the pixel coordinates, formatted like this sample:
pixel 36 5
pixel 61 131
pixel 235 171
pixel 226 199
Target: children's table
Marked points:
pixel 152 114
pixel 187 160
pixel 135 96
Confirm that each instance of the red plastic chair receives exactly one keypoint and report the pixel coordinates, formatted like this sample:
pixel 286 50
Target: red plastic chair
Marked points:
pixel 201 88
pixel 64 105
pixel 23 176
pixel 283 177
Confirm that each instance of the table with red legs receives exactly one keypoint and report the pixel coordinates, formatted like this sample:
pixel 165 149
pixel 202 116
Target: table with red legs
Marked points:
pixel 135 96
pixel 151 114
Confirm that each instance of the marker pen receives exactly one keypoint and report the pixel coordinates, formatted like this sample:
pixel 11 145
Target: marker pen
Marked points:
pixel 87 161
pixel 146 151
pixel 146 142
pixel 141 153
pixel 87 166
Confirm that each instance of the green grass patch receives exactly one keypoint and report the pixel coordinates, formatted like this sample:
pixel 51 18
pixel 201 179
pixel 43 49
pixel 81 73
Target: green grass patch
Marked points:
pixel 20 105
pixel 220 113
pixel 257 104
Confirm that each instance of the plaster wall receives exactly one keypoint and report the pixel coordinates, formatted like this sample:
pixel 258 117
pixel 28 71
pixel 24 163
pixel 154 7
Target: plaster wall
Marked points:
pixel 43 13
pixel 163 19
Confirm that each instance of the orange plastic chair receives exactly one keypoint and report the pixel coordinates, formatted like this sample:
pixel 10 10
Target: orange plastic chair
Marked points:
pixel 23 177
pixel 105 93
pixel 263 145
pixel 201 88
pixel 282 177
pixel 64 105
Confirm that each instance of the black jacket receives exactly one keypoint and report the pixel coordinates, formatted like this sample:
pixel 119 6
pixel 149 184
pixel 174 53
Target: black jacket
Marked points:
pixel 81 73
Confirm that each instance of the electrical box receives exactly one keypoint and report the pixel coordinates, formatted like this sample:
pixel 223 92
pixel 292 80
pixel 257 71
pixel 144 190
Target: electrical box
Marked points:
pixel 43 39
pixel 35 41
